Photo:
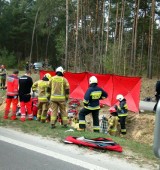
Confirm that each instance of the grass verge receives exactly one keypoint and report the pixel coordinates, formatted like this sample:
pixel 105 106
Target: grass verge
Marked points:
pixel 132 151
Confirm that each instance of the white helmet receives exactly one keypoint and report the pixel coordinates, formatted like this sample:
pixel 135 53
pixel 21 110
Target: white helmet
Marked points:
pixel 93 79
pixel 120 97
pixel 59 69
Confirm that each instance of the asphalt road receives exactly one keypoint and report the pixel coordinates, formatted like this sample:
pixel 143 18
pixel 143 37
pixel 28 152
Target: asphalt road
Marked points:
pixel 13 157
pixel 19 151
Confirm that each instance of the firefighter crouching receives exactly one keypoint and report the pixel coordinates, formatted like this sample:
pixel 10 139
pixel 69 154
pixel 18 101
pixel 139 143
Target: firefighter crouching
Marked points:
pixel 12 95
pixel 113 122
pixel 43 96
pixel 59 94
pixel 122 110
pixel 91 104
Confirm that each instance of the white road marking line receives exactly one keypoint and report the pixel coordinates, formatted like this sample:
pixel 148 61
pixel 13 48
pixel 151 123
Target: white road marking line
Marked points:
pixel 52 154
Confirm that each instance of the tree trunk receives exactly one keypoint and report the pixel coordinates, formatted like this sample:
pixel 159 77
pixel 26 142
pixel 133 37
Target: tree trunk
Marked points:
pixel 135 38
pixel 151 40
pixel 35 22
pixel 76 48
pixel 66 47
pixel 114 56
pixel 47 43
pixel 102 39
pixel 109 7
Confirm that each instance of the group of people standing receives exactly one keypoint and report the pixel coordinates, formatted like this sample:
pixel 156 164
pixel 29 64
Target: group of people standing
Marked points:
pixel 18 90
pixel 53 92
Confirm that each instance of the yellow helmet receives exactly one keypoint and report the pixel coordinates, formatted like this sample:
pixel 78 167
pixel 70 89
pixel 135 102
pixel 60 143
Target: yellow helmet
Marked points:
pixel 47 75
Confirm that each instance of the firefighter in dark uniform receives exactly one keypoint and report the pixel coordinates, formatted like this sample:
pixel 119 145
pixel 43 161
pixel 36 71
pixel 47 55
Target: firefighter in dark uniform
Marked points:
pixel 122 110
pixel 157 95
pixel 91 104
pixel 25 85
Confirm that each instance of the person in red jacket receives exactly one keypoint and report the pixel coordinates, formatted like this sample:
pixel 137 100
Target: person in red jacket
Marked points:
pixel 12 95
pixel 25 85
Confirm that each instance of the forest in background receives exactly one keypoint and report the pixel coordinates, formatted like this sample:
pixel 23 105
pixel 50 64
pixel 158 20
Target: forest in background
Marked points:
pixel 101 36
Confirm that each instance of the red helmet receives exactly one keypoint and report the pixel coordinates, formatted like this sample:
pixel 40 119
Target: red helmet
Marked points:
pixel 112 110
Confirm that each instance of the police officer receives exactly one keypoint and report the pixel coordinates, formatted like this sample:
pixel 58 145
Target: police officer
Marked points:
pixel 43 95
pixel 59 94
pixel 91 104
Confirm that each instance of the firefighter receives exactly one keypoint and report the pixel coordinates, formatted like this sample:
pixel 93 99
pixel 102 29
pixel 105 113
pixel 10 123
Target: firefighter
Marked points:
pixel 12 95
pixel 91 104
pixel 25 85
pixel 122 110
pixel 113 122
pixel 59 94
pixel 157 95
pixel 3 74
pixel 43 96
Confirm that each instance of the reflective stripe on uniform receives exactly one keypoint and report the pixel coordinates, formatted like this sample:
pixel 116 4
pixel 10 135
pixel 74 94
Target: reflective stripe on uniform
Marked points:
pixel 124 114
pixel 30 115
pixel 113 130
pixel 64 118
pixel 96 94
pixel 12 93
pixel 53 118
pixel 85 101
pixel 42 99
pixel 43 117
pixel 123 130
pixel 57 97
pixel 92 108
pixel 96 128
pixel 82 122
pixel 23 115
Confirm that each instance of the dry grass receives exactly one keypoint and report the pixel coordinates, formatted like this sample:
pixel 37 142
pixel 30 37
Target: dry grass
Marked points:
pixel 148 88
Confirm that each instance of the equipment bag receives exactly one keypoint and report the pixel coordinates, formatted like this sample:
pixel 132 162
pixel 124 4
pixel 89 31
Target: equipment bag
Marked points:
pixel 98 143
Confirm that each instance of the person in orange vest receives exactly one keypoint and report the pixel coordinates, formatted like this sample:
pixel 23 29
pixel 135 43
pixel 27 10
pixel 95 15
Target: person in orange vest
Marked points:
pixel 12 95
pixel 59 94
pixel 25 85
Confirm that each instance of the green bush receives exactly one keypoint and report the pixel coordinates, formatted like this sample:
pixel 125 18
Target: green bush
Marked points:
pixel 8 59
